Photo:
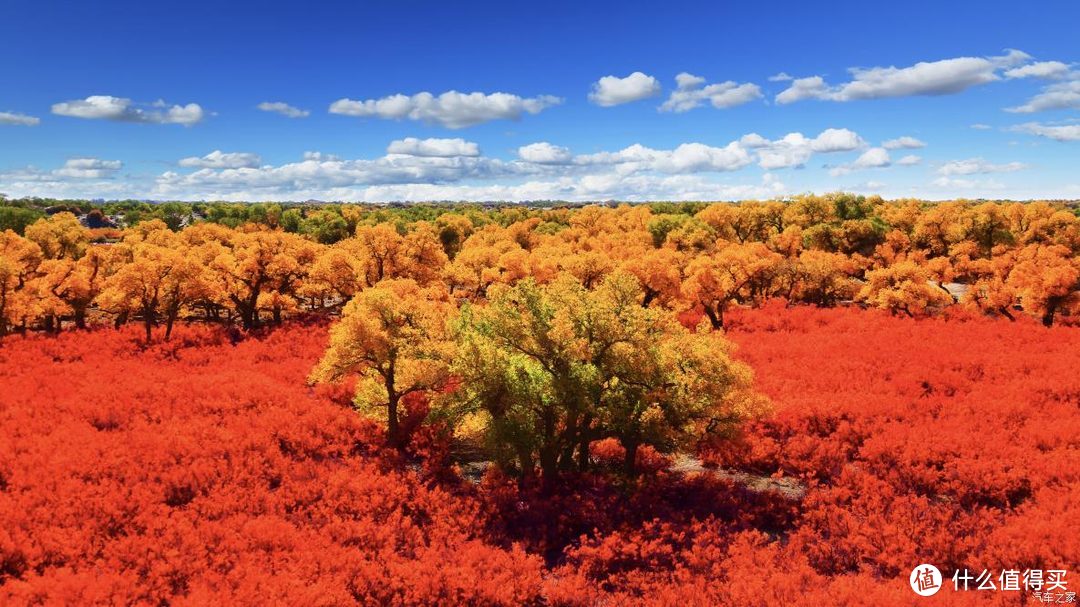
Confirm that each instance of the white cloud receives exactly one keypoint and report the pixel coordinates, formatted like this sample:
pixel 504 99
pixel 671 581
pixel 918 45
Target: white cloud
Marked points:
pixel 975 185
pixel 1058 96
pixel 942 77
pixel 636 172
pixel 781 77
pixel 222 160
pixel 76 169
pixel 795 149
pixel 871 186
pixel 443 148
pixel 909 160
pixel 105 107
pixel 321 157
pixel 1040 69
pixel 88 168
pixel 978 126
pixel 686 158
pixel 873 158
pixel 544 153
pixel 11 118
pixel 451 109
pixel 903 143
pixel 284 109
pixel 836 140
pixel 612 90
pixel 972 166
pixel 1063 132
pixel 584 188
pixel 692 92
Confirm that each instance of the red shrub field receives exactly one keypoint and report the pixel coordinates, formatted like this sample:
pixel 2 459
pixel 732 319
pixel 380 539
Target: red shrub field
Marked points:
pixel 205 470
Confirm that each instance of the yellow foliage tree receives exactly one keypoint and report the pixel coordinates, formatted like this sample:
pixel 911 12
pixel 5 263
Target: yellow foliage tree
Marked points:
pixel 19 261
pixel 394 337
pixel 158 279
pixel 735 273
pixel 903 287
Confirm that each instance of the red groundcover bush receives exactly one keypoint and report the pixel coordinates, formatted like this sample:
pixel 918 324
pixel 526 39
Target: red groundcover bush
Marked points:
pixel 203 471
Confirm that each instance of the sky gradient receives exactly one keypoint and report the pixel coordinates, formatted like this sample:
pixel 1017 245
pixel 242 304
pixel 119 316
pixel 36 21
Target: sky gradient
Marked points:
pixel 560 100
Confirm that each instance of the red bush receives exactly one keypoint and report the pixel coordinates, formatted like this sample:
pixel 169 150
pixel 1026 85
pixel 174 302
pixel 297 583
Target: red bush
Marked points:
pixel 203 472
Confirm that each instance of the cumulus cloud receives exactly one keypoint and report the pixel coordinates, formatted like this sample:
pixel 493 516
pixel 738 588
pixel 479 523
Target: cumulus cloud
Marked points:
pixel 322 173
pixel 1058 96
pixel 903 143
pixel 1062 132
pixel 106 107
pixel 321 157
pixel 543 152
pixel 634 188
pixel 11 118
pixel 692 92
pixel 873 158
pixel 284 109
pixel 781 77
pixel 222 160
pixel 435 169
pixel 978 126
pixel 443 148
pixel 909 160
pixel 634 173
pixel 686 158
pixel 612 90
pixel 942 77
pixel 870 186
pixel 977 185
pixel 972 166
pixel 77 169
pixel 1040 69
pixel 795 149
pixel 451 109
pixel 88 168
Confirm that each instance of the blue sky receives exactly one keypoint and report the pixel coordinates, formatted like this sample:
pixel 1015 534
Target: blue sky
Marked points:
pixel 433 100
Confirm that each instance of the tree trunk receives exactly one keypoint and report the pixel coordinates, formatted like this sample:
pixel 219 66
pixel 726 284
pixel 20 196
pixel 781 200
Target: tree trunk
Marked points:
pixel 1048 317
pixel 650 295
pixel 549 456
pixel 716 317
pixel 630 459
pixel 549 471
pixel 583 444
pixel 170 320
pixel 393 431
pixel 148 322
pixel 525 462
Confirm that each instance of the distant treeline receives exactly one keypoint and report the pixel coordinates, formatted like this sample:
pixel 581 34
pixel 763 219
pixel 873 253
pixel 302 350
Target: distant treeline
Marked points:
pixel 329 222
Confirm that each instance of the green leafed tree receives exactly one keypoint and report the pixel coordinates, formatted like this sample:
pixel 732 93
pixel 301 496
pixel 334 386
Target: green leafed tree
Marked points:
pixel 551 368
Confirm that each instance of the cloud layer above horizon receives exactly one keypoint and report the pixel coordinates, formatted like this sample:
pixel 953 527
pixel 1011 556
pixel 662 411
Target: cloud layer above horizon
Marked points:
pixel 548 167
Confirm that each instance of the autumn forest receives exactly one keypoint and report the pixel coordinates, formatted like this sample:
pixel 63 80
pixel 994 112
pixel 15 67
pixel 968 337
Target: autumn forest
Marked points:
pixel 780 402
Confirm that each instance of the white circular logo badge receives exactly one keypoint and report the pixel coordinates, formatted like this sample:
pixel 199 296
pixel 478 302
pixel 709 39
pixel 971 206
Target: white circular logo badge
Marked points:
pixel 925 580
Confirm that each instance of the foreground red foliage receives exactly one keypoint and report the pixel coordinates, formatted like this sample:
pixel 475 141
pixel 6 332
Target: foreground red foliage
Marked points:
pixel 204 471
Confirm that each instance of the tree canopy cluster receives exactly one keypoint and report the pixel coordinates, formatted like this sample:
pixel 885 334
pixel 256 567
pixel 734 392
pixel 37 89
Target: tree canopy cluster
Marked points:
pixel 537 332
pixel 1001 258
pixel 200 471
